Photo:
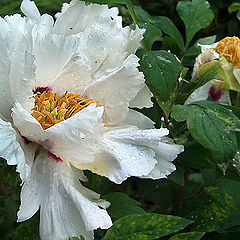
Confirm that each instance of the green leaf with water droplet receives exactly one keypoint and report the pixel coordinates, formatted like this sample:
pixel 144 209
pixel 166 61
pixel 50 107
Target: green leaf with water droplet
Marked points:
pixel 122 205
pixel 168 27
pixel 196 15
pixel 210 124
pixel 162 70
pixel 147 226
pixel 219 210
pixel 188 236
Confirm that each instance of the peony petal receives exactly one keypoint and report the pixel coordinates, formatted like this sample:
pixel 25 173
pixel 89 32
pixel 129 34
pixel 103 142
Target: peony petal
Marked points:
pixel 52 54
pixel 16 63
pixel 30 9
pixel 203 92
pixel 200 93
pixel 10 149
pixel 139 120
pixel 115 89
pixel 143 99
pixel 67 208
pixel 129 152
pixel 76 16
pixel 207 55
pixel 71 140
pixel 165 154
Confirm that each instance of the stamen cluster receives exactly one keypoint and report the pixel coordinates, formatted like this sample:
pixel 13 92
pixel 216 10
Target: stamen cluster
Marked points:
pixel 229 48
pixel 50 108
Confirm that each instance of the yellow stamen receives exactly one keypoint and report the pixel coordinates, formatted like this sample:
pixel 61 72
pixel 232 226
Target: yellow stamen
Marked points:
pixel 50 109
pixel 229 48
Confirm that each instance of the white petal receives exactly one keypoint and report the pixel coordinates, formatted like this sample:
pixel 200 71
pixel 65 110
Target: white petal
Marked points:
pixel 28 126
pixel 139 120
pixel 10 149
pixel 6 99
pixel 52 54
pixel 30 9
pixel 200 93
pixel 127 152
pixel 165 154
pixel 71 140
pixel 207 55
pixel 67 209
pixel 16 63
pixel 107 44
pixel 43 27
pixel 143 99
pixel 76 16
pixel 115 89
pixel 236 73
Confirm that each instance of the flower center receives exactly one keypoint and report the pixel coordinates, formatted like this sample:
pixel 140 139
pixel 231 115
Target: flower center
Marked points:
pixel 50 108
pixel 229 48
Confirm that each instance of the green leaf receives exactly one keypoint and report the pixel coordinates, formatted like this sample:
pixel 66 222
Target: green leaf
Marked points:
pixel 181 112
pixel 151 35
pixel 207 40
pixel 168 27
pixel 145 227
pixel 209 123
pixel 152 32
pixel 177 176
pixel 218 211
pixel 204 74
pixel 126 2
pixel 238 15
pixel 234 7
pixel 188 236
pixel 161 70
pixel 195 15
pixel 196 156
pixel 122 205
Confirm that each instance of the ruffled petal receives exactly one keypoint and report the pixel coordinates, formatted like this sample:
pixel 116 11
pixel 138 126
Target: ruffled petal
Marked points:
pixel 129 152
pixel 139 120
pixel 76 16
pixel 71 140
pixel 116 88
pixel 10 149
pixel 67 209
pixel 52 54
pixel 16 63
pixel 30 9
pixel 165 154
pixel 207 55
pixel 143 99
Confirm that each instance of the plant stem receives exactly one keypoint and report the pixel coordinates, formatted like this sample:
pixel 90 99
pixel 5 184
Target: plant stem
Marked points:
pixel 180 193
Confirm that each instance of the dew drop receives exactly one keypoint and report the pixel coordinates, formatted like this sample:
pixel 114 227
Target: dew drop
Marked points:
pixel 143 134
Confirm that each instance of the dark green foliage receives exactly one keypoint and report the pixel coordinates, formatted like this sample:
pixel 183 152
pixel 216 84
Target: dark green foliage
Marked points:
pixel 201 199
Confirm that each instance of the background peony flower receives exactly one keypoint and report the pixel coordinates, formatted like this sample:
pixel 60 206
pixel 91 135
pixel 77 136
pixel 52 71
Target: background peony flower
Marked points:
pixel 67 87
pixel 215 88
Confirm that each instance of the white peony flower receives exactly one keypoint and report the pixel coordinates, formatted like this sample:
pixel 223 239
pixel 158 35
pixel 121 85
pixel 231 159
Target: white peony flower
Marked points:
pixel 67 86
pixel 215 88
